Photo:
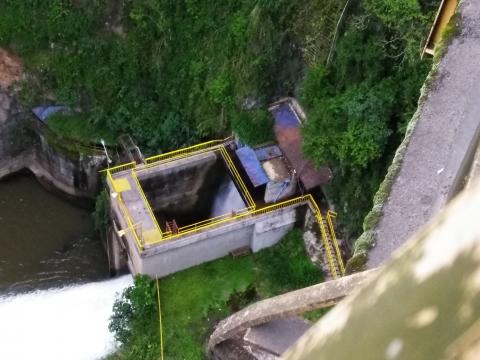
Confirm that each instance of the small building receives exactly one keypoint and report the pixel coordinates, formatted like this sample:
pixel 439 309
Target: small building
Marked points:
pixel 267 168
pixel 288 117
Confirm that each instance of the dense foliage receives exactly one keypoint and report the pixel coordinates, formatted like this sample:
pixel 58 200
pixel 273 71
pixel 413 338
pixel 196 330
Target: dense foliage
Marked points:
pixel 167 72
pixel 359 106
pixel 175 72
pixel 194 299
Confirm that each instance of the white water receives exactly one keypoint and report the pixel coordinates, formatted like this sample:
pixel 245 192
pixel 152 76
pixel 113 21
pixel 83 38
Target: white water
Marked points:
pixel 59 324
pixel 227 199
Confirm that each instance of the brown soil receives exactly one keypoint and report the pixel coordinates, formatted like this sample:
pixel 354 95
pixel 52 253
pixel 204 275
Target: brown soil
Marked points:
pixel 10 69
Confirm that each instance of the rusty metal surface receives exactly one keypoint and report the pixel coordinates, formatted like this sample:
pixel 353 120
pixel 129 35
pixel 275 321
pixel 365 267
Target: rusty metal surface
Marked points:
pixel 290 141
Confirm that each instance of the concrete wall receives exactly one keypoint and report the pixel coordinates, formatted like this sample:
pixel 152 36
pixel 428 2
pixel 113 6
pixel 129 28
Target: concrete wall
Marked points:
pixel 179 186
pixel 25 143
pixel 256 232
pixel 277 190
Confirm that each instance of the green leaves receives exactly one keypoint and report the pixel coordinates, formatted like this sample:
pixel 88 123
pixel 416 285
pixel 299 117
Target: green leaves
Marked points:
pixel 358 108
pixel 352 128
pixel 135 307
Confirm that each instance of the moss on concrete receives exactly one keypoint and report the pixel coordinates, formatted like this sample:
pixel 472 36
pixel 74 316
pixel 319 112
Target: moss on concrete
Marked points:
pixel 367 240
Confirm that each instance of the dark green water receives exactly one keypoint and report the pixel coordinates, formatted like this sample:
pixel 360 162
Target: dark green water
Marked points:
pixel 44 240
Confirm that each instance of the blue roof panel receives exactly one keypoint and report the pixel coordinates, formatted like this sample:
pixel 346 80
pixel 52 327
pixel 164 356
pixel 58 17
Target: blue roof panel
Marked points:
pixel 252 166
pixel 285 116
pixel 44 112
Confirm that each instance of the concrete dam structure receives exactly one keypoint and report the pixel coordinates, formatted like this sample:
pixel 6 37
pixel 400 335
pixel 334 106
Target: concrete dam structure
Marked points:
pixel 194 205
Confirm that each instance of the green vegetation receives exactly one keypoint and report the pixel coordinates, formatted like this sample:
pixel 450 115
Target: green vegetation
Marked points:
pixel 78 128
pixel 167 72
pixel 360 105
pixel 174 72
pixel 101 215
pixel 171 73
pixel 194 299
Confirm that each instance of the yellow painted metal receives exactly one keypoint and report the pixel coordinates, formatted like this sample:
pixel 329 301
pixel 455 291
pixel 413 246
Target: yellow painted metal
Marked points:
pixel 155 236
pixel 151 236
pixel 146 203
pixel 220 217
pixel 445 12
pixel 122 184
pixel 183 151
pixel 332 214
pixel 126 215
pixel 160 324
pixel 326 244
pixel 124 211
pixel 233 170
pixel 122 167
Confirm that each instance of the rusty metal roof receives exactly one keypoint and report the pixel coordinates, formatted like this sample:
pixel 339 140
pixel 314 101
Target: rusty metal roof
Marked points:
pixel 289 139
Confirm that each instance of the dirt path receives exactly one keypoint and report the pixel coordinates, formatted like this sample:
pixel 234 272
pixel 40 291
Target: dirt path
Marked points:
pixel 10 69
pixel 443 141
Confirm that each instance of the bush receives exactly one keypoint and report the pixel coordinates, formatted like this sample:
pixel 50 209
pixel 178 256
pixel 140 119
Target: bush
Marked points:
pixel 358 108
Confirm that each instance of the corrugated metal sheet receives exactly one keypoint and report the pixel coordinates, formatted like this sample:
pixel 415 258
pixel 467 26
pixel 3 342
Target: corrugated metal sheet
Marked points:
pixel 44 112
pixel 252 166
pixel 268 152
pixel 285 116
pixel 289 139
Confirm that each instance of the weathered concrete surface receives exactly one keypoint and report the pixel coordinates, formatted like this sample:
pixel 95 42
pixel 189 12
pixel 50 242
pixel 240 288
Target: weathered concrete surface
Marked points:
pixel 423 305
pixel 25 144
pixel 287 305
pixel 442 142
pixel 278 335
pixel 169 256
pixel 474 172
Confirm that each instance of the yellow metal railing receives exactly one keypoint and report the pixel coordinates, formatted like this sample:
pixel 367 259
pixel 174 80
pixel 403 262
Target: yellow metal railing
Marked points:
pixel 146 203
pixel 160 322
pixel 122 167
pixel 213 219
pixel 326 243
pixel 264 210
pixel 332 214
pixel 330 243
pixel 184 151
pixel 233 170
pixel 124 210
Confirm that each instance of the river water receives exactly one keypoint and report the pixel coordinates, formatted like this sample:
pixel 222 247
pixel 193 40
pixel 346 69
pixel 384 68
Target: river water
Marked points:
pixel 55 293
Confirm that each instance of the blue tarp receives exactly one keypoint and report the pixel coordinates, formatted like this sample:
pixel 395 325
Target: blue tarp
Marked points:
pixel 44 112
pixel 252 166
pixel 285 116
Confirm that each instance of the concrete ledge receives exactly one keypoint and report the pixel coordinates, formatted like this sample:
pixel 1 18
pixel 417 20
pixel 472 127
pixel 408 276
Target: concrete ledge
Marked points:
pixel 287 305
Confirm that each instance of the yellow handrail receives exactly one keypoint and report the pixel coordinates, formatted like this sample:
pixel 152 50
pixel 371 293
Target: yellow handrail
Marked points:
pixel 123 208
pixel 160 323
pixel 239 216
pixel 177 157
pixel 251 209
pixel 237 177
pixel 326 243
pixel 122 167
pixel 145 202
pixel 332 214
pixel 190 149
pixel 226 215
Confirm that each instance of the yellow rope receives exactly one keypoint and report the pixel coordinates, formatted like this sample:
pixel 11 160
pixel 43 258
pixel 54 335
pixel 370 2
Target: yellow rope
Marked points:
pixel 160 318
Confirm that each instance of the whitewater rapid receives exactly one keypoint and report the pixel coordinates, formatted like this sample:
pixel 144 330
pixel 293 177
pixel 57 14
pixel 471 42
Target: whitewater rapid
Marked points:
pixel 69 323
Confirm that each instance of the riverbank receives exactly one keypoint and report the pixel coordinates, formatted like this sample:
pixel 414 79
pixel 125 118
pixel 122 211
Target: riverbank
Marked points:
pixel 45 240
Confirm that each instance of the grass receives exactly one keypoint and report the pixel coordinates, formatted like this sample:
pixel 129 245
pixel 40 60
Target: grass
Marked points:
pixel 77 127
pixel 195 299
